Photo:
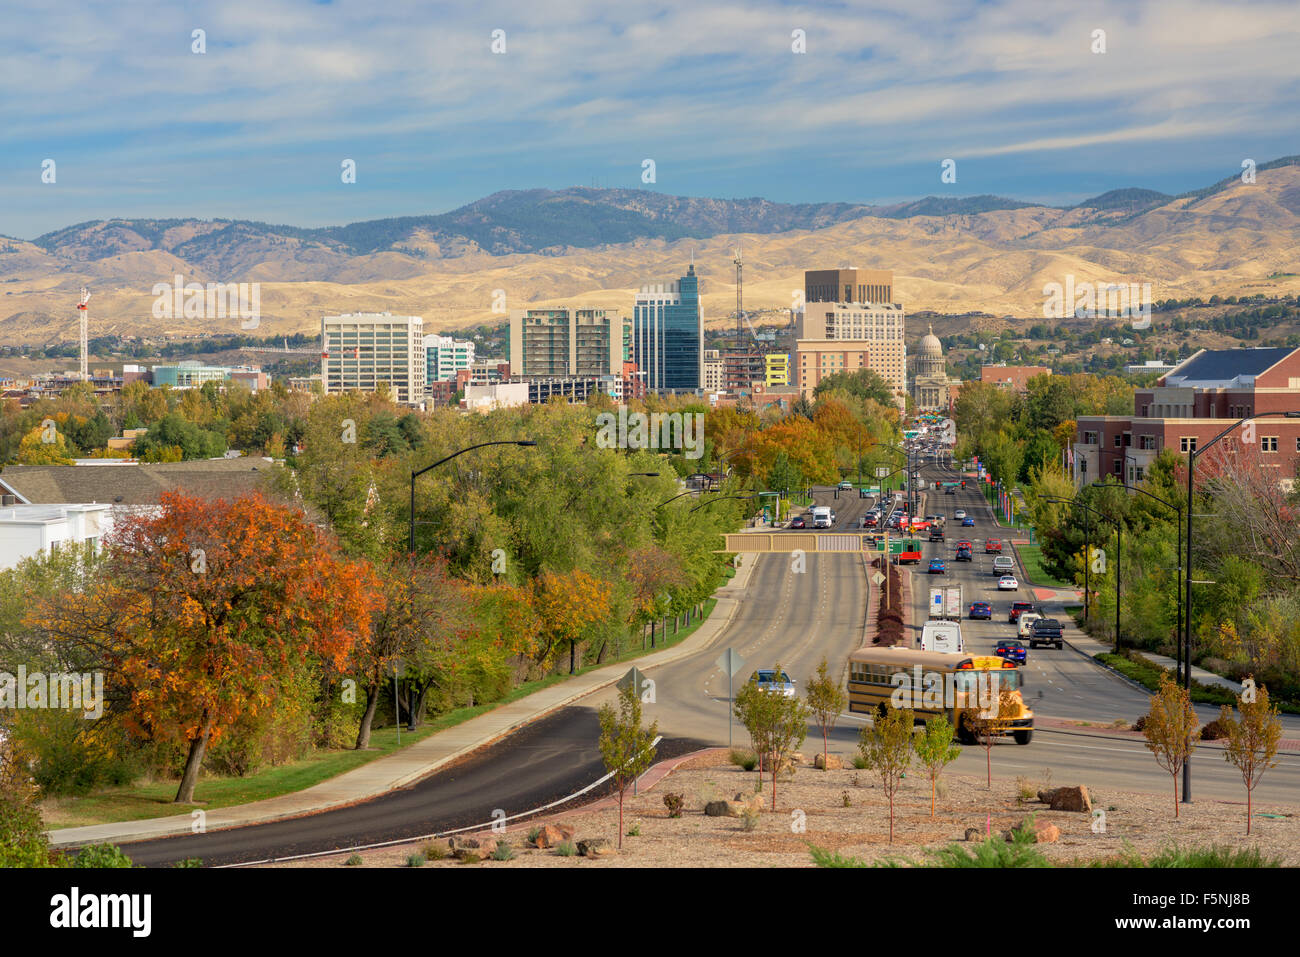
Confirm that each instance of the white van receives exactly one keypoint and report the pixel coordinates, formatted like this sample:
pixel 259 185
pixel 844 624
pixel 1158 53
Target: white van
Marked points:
pixel 1025 622
pixel 942 636
pixel 821 516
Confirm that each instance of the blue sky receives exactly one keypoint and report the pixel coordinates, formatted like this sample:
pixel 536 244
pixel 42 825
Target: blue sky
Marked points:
pixel 257 127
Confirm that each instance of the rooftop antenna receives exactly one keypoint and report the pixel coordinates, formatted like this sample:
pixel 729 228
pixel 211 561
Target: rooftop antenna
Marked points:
pixel 740 298
pixel 84 314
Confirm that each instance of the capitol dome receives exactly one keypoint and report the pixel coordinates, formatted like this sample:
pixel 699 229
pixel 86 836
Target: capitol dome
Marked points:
pixel 930 346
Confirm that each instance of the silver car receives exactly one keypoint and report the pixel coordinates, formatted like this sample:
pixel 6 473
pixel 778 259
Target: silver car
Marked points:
pixel 769 680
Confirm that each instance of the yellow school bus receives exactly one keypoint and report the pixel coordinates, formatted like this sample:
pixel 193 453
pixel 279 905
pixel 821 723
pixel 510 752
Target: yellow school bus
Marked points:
pixel 936 682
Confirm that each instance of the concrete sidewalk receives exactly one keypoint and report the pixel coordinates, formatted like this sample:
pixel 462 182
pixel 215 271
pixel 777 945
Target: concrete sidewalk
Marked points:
pixel 419 760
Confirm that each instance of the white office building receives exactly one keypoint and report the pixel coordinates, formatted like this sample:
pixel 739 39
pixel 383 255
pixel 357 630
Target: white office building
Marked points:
pixel 30 530
pixel 364 352
pixel 445 356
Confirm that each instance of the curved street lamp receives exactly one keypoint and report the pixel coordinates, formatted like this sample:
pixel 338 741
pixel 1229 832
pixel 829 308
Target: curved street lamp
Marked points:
pixel 526 443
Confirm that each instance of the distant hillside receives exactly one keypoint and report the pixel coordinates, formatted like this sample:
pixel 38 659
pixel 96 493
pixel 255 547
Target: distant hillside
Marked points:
pixel 951 206
pixel 1125 199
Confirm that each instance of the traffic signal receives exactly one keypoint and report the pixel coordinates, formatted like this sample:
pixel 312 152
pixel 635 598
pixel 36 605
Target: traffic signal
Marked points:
pixel 963 483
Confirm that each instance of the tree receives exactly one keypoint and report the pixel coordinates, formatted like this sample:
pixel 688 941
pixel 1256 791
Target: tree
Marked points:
pixel 44 445
pixel 777 725
pixel 935 750
pixel 625 747
pixel 1251 742
pixel 22 834
pixel 208 610
pixel 987 725
pixel 826 699
pixel 886 748
pixel 1170 728
pixel 569 605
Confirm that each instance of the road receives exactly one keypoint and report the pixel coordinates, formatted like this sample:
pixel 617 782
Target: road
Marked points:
pixel 793 614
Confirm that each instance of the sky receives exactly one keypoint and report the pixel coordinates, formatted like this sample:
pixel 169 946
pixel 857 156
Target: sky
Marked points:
pixel 583 92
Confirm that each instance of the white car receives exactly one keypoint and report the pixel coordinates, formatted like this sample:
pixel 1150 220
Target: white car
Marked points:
pixel 959 514
pixel 1008 583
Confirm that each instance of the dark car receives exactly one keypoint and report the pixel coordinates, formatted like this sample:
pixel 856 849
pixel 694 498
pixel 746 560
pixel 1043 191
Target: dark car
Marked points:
pixel 968 522
pixel 964 554
pixel 950 491
pixel 798 522
pixel 1011 650
pixel 1046 631
pixel 1017 609
pixel 936 533
pixel 938 566
pixel 981 609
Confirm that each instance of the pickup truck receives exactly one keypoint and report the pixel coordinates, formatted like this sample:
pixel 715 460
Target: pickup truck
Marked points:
pixel 1046 631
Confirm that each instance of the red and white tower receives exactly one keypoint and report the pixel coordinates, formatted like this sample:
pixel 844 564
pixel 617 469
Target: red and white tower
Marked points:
pixel 84 313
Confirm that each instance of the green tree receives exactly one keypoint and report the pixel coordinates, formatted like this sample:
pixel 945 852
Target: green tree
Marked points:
pixel 826 699
pixel 886 748
pixel 625 747
pixel 935 750
pixel 22 833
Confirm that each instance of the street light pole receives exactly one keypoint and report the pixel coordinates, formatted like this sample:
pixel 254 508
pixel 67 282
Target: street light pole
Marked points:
pixel 417 474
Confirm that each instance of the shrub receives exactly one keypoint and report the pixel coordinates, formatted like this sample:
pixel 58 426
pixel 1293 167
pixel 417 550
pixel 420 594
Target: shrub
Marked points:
pixel 994 852
pixel 745 759
pixel 503 852
pixel 566 849
pixel 435 850
pixel 353 861
pixel 748 819
pixel 415 860
pixel 535 832
pixel 470 857
pixel 1140 724
pixel 1213 731
pixel 195 862
pixel 101 855
pixel 860 763
pixel 1024 791
pixel 674 803
pixel 634 830
pixel 824 858
pixel 845 800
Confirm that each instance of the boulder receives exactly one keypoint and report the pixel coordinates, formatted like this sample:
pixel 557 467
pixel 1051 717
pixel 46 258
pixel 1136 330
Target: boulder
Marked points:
pixel 1043 832
pixel 717 809
pixel 974 834
pixel 743 802
pixel 798 758
pixel 462 846
pixel 831 762
pixel 553 835
pixel 596 847
pixel 1071 799
pixel 1045 797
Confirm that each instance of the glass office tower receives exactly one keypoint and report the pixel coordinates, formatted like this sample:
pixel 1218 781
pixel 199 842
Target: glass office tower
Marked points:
pixel 668 335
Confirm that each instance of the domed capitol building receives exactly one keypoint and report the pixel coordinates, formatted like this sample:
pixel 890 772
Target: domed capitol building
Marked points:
pixel 932 389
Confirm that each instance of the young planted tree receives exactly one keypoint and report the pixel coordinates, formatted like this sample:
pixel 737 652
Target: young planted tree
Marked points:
pixel 935 750
pixel 886 748
pixel 208 610
pixel 987 725
pixel 826 699
pixel 1252 741
pixel 777 725
pixel 625 746
pixel 1170 729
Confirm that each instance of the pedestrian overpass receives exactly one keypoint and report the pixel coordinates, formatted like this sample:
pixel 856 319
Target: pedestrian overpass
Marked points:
pixel 810 542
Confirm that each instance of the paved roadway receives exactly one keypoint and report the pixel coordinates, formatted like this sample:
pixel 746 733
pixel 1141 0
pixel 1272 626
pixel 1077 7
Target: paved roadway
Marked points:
pixel 790 617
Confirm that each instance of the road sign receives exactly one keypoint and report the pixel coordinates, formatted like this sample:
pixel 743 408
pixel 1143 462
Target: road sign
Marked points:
pixel 877 579
pixel 730 662
pixel 882 472
pixel 632 679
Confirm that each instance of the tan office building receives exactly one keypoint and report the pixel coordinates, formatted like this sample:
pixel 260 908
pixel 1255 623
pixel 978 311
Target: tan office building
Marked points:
pixel 568 342
pixel 844 337
pixel 848 285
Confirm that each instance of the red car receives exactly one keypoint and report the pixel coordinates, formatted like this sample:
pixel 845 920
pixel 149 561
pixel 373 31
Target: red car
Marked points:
pixel 992 545
pixel 1018 608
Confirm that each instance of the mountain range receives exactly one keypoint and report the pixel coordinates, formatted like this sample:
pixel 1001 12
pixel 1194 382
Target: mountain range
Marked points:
pixel 594 247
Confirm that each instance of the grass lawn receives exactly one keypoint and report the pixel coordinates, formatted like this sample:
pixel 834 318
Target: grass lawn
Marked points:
pixel 1032 557
pixel 153 798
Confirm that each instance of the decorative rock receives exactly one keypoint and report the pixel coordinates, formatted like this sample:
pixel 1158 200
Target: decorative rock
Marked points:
pixel 717 809
pixel 1071 799
pixel 832 762
pixel 1045 797
pixel 596 847
pixel 1043 832
pixel 974 834
pixel 798 758
pixel 553 835
pixel 753 801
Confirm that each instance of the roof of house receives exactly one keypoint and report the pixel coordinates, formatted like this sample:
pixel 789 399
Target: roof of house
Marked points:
pixel 1225 367
pixel 136 483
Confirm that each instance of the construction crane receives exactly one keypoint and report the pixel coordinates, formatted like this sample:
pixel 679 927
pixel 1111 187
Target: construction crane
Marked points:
pixel 84 313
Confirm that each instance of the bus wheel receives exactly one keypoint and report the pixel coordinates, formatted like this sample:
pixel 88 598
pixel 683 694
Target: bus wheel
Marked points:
pixel 964 733
pixel 882 712
pixel 1024 737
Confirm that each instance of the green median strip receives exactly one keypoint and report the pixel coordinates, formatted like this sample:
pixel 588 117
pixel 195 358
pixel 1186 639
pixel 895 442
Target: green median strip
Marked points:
pixel 1031 556
pixel 154 798
pixel 1147 674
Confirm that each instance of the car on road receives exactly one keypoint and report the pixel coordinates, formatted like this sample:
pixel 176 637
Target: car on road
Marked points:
pixel 938 566
pixel 1011 650
pixel 1025 622
pixel 869 521
pixel 1008 583
pixel 963 554
pixel 845 486
pixel 960 513
pixel 1004 565
pixel 968 522
pixel 936 533
pixel 981 609
pixel 798 522
pixel 1018 608
pixel 1046 631
pixel 992 546
pixel 949 491
pixel 774 681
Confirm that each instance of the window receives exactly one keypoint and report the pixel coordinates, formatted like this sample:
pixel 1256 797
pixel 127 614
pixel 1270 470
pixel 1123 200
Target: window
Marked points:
pixel 1147 442
pixel 1187 443
pixel 1118 440
pixel 1268 443
pixel 1090 438
pixel 1140 473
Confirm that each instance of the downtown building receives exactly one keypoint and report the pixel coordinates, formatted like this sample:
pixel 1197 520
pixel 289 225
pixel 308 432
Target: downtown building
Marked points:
pixel 850 332
pixel 668 335
pixel 567 342
pixel 369 351
pixel 445 356
pixel 1189 406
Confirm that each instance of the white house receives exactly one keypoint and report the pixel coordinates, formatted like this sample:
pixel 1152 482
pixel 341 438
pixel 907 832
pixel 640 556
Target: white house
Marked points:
pixel 27 530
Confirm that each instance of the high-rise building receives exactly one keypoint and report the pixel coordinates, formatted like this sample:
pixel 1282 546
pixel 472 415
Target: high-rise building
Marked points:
pixel 668 334
pixel 848 285
pixel 365 351
pixel 568 342
pixel 844 337
pixel 444 356
pixel 714 378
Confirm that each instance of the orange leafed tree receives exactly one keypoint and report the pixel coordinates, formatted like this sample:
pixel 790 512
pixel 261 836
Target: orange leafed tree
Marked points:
pixel 569 604
pixel 205 606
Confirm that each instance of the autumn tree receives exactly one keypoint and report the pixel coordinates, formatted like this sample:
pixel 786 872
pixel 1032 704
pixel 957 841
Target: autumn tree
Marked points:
pixel 989 723
pixel 1252 741
pixel 886 748
pixel 826 699
pixel 207 608
pixel 935 750
pixel 569 605
pixel 777 725
pixel 625 747
pixel 1170 729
